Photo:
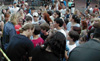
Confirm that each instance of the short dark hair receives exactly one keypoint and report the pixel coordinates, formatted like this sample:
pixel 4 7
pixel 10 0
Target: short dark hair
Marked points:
pixel 32 8
pixel 37 30
pixel 45 5
pixel 58 13
pixel 45 26
pixel 50 12
pixel 28 18
pixel 74 35
pixel 57 44
pixel 96 5
pixel 76 19
pixel 67 10
pixel 59 21
pixel 66 20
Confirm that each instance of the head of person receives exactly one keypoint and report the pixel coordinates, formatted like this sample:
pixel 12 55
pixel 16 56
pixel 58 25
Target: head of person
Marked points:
pixel 73 36
pixel 67 11
pixel 56 43
pixel 21 11
pixel 77 29
pixel 44 27
pixel 46 6
pixel 20 21
pixel 10 5
pixel 7 10
pixel 93 15
pixel 40 11
pixel 75 19
pixel 58 22
pixel 28 19
pixel 84 25
pixel 32 10
pixel 82 39
pixel 97 33
pixel 96 6
pixel 96 24
pixel 50 13
pixel 37 30
pixel 62 3
pixel 96 20
pixel 22 6
pixel 6 15
pixel 47 17
pixel 14 18
pixel 27 29
pixel 3 11
pixel 15 4
pixel 87 17
pixel 86 11
pixel 57 14
pixel 35 16
pixel 66 21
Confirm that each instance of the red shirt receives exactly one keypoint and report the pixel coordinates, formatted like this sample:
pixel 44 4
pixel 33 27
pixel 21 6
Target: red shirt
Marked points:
pixel 38 42
pixel 17 28
pixel 95 10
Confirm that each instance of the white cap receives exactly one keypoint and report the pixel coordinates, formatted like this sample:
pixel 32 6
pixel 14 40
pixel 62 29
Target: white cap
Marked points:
pixel 35 14
pixel 26 4
pixel 61 0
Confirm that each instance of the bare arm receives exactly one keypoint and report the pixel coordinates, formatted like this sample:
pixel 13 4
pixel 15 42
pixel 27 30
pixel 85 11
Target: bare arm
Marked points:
pixel 66 57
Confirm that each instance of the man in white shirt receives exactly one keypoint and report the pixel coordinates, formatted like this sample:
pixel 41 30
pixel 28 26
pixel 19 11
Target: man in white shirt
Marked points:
pixel 15 8
pixel 58 23
pixel 31 14
pixel 35 20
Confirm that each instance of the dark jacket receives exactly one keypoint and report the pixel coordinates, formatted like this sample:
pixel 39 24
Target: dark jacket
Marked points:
pixel 8 32
pixel 90 51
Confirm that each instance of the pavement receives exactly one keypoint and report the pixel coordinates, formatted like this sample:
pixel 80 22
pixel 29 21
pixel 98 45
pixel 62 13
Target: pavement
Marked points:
pixel 81 4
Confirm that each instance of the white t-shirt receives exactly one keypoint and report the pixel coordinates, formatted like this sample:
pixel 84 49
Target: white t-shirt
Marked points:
pixel 37 22
pixel 69 25
pixel 14 10
pixel 63 11
pixel 62 31
pixel 71 47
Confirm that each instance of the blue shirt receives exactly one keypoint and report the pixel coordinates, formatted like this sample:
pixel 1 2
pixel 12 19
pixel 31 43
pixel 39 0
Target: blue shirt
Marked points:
pixel 65 3
pixel 8 32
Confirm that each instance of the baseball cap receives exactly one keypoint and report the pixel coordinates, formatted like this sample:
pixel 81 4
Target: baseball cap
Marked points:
pixel 14 2
pixel 35 14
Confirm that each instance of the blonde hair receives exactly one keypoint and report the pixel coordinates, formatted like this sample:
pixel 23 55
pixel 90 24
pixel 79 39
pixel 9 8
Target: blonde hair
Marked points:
pixel 26 27
pixel 13 18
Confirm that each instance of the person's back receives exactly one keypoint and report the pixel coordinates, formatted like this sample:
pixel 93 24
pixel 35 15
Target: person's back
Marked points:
pixel 42 55
pixel 86 52
pixel 89 51
pixel 38 42
pixel 8 32
pixel 19 47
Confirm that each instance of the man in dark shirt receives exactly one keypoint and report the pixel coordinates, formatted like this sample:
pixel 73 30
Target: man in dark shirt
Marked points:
pixel 44 30
pixel 90 51
pixel 19 48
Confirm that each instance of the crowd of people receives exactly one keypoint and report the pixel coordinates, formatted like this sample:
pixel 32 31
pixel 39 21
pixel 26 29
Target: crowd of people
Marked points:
pixel 53 32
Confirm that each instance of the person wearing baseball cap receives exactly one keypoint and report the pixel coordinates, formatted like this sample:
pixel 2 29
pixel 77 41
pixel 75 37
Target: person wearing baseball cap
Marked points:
pixel 35 16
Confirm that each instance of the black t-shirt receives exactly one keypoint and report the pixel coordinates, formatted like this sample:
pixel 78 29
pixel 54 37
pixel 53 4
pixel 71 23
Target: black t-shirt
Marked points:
pixel 90 51
pixel 19 47
pixel 43 36
pixel 42 55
